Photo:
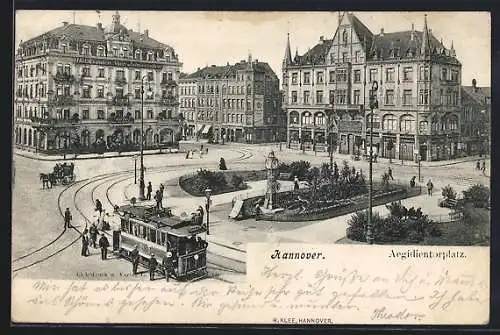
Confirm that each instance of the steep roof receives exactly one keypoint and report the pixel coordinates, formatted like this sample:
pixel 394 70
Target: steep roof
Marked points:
pixel 79 32
pixel 481 95
pixel 316 55
pixel 364 34
pixel 227 71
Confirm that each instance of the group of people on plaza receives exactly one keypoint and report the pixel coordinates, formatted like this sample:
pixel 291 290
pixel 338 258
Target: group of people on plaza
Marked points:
pixel 481 166
pixel 190 153
pixel 158 197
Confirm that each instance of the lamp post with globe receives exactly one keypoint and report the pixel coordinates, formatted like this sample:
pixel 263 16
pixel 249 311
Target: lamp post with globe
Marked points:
pixel 271 166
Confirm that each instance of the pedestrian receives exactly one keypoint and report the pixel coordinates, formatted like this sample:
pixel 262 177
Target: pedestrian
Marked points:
pixel 153 263
pixel 201 148
pixel 187 154
pixel 98 206
pixel 430 186
pixel 389 172
pixel 93 235
pixel 67 219
pixel 134 255
pixel 104 244
pixel 150 189
pixel 162 188
pixel 295 183
pixel 201 213
pixel 85 243
pixel 483 167
pixel 412 182
pixel 478 165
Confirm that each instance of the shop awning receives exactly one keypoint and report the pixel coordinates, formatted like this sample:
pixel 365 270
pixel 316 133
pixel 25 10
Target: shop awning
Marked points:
pixel 199 126
pixel 206 129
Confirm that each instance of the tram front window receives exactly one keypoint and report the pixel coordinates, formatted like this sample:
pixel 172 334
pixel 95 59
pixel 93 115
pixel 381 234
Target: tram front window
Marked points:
pixel 152 235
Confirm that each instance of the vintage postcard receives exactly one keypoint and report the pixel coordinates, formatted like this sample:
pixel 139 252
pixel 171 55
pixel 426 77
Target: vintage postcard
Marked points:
pixel 262 168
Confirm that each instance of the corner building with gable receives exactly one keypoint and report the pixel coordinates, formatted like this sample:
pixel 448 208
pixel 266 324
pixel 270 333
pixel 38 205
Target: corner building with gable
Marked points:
pixel 78 87
pixel 327 93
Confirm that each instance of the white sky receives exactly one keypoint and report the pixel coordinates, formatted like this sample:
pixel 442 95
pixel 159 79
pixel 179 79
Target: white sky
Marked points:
pixel 206 38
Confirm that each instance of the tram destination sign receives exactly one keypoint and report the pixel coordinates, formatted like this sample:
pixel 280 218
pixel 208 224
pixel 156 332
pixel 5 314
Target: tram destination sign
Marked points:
pixel 118 63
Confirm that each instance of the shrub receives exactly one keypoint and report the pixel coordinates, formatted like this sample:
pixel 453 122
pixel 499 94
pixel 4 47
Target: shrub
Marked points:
pixel 391 229
pixel 237 181
pixel 448 192
pixel 214 180
pixel 133 201
pixel 299 169
pixel 396 209
pixel 358 223
pixel 478 195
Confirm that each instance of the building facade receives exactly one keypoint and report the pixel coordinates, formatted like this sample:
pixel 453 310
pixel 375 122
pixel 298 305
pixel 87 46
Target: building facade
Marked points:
pixel 232 103
pixel 328 89
pixel 476 119
pixel 82 87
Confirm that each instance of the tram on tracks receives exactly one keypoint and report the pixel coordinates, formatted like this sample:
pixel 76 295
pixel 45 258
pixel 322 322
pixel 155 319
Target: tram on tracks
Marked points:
pixel 176 243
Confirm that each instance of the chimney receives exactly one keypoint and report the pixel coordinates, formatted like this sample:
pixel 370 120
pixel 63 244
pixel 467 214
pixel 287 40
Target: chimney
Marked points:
pixel 65 23
pixel 321 38
pixel 474 82
pixel 146 32
pixel 381 31
pixel 227 64
pixel 99 26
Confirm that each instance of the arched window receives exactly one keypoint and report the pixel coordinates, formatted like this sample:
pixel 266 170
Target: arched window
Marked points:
pixel 294 117
pixel 344 37
pixel 407 124
pixel 307 118
pixel 423 126
pixel 453 122
pixel 376 121
pixel 390 122
pixel 138 54
pixel 319 119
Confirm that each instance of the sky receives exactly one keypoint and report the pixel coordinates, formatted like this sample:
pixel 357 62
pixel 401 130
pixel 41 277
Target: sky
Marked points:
pixel 215 38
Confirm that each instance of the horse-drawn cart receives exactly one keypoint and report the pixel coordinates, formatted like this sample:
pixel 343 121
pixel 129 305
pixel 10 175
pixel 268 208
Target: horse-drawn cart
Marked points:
pixel 62 174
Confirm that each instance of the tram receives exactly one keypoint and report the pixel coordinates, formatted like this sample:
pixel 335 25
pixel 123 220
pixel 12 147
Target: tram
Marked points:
pixel 176 243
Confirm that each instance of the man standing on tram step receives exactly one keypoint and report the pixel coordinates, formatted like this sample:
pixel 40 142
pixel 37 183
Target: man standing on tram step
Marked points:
pixel 153 263
pixel 150 189
pixel 389 172
pixel 67 219
pixel 85 243
pixel 104 244
pixel 93 235
pixel 98 206
pixel 134 255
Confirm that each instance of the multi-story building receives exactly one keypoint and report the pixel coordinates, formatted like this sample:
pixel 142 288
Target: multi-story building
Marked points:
pixel 235 103
pixel 81 86
pixel 476 121
pixel 328 89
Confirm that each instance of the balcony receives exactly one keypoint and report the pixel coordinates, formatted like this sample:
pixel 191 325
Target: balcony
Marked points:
pixel 46 122
pixel 168 83
pixel 120 81
pixel 120 101
pixel 120 119
pixel 64 78
pixel 170 100
pixel 63 100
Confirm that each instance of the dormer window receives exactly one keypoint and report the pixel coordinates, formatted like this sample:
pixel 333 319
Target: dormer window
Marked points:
pixel 100 51
pixel 64 48
pixel 138 54
pixel 150 56
pixel 86 50
pixel 167 57
pixel 344 37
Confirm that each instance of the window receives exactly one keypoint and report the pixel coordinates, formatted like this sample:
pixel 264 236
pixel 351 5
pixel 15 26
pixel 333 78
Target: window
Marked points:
pixel 444 73
pixel 345 57
pixel 390 122
pixel 86 71
pixel 137 75
pixel 85 114
pixel 100 91
pixel 341 96
pixel 100 72
pixel 67 69
pixel 319 78
pixel 453 123
pixel 306 97
pixel 389 75
pixel 424 73
pixel 331 96
pixel 357 56
pixel 423 126
pixel 119 92
pixel 454 75
pixel 295 78
pixel 169 76
pixel 86 50
pixel 357 95
pixel 150 56
pixel 307 78
pixel 407 124
pixel 342 75
pixel 332 58
pixel 389 97
pixel 407 74
pixel 137 114
pixel 150 76
pixel 319 97
pixel 373 75
pixel 100 114
pixel 307 118
pixel 331 76
pixel 407 99
pixel 100 51
pixel 357 76
pixel 137 93
pixel 66 90
pixel 344 37
pixel 149 114
pixel 319 119
pixel 423 97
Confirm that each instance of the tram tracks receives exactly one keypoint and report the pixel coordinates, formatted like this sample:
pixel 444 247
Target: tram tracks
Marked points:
pixel 39 255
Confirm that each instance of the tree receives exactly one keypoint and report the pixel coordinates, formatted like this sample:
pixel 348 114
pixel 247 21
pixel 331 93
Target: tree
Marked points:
pixel 478 195
pixel 389 146
pixel 448 192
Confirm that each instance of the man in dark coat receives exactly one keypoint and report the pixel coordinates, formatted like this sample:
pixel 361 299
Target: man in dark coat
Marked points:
pixel 85 243
pixel 98 206
pixel 153 263
pixel 134 255
pixel 150 189
pixel 67 218
pixel 104 244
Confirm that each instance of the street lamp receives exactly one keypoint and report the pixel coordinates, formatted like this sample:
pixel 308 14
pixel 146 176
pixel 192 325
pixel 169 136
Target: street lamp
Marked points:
pixel 135 168
pixel 208 193
pixel 330 116
pixel 141 179
pixel 373 105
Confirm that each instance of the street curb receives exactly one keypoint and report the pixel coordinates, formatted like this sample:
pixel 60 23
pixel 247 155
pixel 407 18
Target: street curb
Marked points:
pixel 49 159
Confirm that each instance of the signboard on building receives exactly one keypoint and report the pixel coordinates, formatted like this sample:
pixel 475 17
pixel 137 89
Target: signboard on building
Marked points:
pixel 118 63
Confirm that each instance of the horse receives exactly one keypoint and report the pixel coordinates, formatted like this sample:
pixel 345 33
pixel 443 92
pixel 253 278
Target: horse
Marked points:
pixel 45 179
